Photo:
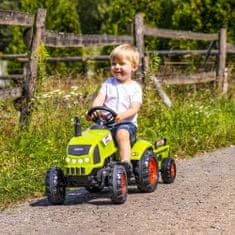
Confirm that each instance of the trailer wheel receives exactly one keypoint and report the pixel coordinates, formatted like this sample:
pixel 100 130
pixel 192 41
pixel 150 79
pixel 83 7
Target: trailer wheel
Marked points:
pixel 168 170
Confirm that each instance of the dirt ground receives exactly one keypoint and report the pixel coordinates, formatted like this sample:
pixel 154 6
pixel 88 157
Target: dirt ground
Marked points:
pixel 200 201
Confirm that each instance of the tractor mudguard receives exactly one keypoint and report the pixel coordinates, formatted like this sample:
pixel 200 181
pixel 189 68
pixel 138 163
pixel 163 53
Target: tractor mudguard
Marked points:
pixel 139 148
pixel 162 152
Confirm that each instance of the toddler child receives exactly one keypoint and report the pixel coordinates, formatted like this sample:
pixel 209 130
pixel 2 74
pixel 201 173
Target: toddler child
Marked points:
pixel 124 96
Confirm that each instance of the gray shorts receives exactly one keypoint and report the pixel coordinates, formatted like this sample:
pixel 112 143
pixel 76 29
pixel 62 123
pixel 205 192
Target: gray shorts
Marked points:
pixel 130 127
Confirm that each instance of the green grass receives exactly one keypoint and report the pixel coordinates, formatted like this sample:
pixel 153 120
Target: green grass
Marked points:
pixel 192 125
pixel 197 122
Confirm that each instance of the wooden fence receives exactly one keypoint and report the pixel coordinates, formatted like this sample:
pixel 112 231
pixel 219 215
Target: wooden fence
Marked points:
pixel 142 30
pixel 33 37
pixel 36 33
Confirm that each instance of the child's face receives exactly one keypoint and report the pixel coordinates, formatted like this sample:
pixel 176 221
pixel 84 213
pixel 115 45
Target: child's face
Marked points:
pixel 122 69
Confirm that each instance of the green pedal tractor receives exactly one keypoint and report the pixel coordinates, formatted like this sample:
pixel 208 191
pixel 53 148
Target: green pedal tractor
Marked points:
pixel 92 161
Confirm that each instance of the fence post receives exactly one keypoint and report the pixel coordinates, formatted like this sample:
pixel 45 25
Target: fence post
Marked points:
pixel 221 58
pixel 31 73
pixel 225 82
pixel 139 42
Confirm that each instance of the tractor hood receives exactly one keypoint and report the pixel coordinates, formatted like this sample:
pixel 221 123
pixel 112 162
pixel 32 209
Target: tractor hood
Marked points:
pixel 91 137
pixel 89 151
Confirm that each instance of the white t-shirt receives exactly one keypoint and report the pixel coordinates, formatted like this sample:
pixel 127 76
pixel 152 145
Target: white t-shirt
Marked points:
pixel 119 96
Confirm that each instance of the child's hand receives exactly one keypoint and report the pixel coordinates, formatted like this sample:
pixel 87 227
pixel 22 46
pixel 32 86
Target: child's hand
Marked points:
pixel 88 117
pixel 120 117
pixel 93 116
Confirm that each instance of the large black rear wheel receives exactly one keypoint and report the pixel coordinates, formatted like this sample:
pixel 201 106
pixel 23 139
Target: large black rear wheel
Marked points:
pixel 55 186
pixel 168 170
pixel 147 174
pixel 118 184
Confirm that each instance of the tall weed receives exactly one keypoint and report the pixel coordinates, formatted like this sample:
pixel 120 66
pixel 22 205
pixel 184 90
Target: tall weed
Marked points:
pixel 196 122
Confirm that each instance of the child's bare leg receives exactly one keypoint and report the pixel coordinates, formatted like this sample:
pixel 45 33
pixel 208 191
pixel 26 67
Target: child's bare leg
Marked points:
pixel 123 140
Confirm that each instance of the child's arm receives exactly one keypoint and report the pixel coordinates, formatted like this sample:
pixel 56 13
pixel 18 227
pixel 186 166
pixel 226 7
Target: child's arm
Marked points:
pixel 133 109
pixel 99 100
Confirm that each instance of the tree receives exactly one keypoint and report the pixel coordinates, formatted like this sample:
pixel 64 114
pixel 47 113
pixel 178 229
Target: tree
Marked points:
pixel 89 16
pixel 62 15
pixel 205 16
pixel 118 15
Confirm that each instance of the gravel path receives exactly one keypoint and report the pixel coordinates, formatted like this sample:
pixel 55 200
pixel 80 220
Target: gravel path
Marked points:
pixel 200 201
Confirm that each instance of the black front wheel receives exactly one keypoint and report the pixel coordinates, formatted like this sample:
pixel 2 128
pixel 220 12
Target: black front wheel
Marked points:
pixel 168 170
pixel 118 184
pixel 55 186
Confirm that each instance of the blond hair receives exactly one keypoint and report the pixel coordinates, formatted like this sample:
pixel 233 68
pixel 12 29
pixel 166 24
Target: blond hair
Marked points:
pixel 126 51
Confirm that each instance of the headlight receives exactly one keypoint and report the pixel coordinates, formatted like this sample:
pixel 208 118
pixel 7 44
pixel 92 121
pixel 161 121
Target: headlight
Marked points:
pixel 80 161
pixel 87 159
pixel 74 161
pixel 67 159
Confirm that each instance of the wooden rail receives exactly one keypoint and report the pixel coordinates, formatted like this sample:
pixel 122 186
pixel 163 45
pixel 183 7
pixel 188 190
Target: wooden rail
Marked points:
pixel 10 93
pixel 12 77
pixel 230 48
pixel 78 58
pixel 54 39
pixel 169 33
pixel 25 58
pixel 181 52
pixel 13 56
pixel 189 79
pixel 16 18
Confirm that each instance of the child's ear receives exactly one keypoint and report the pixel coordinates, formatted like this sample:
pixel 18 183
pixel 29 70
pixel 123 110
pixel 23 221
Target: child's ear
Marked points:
pixel 134 67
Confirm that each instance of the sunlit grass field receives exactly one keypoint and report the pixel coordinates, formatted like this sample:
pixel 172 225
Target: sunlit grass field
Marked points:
pixel 199 121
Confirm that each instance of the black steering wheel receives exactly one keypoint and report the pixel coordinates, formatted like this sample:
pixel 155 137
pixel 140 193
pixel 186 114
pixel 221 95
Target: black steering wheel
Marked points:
pixel 102 115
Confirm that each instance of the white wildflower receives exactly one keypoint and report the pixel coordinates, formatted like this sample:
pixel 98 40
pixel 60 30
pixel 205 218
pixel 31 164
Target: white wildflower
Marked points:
pixel 74 87
pixel 66 97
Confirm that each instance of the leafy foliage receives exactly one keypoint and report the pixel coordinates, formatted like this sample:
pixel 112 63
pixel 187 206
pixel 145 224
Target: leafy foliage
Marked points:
pixel 62 16
pixel 204 16
pixel 118 15
pixel 89 16
pixel 5 32
pixel 190 15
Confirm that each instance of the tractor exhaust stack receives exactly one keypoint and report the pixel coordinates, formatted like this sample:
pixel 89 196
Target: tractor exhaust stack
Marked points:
pixel 77 127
